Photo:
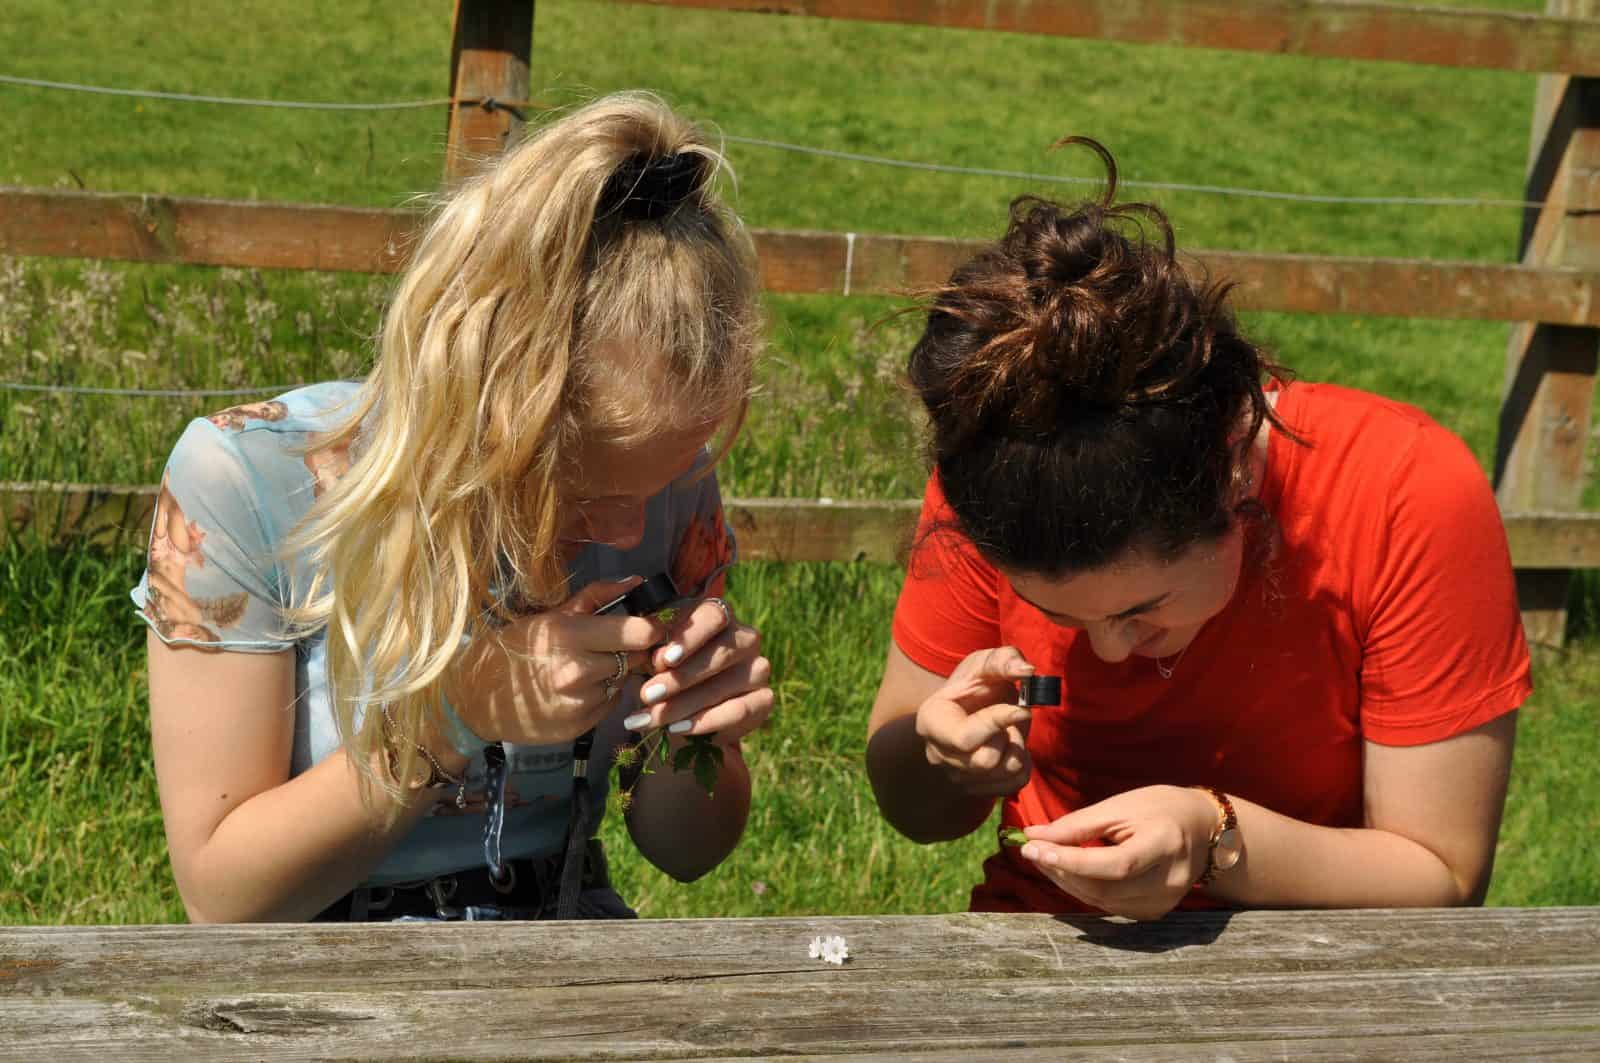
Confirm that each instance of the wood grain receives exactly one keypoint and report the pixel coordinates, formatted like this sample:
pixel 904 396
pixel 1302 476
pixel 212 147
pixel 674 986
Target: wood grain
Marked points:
pixel 1342 29
pixel 1428 984
pixel 1542 449
pixel 293 236
pixel 769 529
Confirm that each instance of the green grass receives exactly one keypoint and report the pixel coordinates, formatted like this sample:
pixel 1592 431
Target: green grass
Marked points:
pixel 80 834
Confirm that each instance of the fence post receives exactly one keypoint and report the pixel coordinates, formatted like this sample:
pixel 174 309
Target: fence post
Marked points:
pixel 490 48
pixel 1550 369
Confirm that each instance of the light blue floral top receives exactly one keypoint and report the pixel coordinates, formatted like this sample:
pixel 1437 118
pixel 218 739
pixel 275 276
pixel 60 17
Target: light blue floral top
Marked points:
pixel 234 487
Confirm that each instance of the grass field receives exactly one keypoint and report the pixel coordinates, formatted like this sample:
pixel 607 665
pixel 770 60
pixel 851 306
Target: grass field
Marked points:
pixel 80 830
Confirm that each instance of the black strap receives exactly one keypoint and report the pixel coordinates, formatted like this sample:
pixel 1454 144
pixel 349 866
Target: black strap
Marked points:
pixel 577 830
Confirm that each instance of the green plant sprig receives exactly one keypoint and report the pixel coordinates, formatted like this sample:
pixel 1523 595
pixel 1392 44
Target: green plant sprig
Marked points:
pixel 633 762
pixel 1013 837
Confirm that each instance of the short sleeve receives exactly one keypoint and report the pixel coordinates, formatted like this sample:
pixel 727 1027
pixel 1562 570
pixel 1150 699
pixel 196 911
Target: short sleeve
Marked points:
pixel 1444 650
pixel 949 603
pixel 706 547
pixel 211 576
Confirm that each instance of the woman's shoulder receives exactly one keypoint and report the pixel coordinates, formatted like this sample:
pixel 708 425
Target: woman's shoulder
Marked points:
pixel 1321 408
pixel 1370 464
pixel 1356 443
pixel 311 409
pixel 261 460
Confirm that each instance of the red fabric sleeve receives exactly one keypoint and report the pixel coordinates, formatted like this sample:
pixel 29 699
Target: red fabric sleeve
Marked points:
pixel 948 605
pixel 1444 650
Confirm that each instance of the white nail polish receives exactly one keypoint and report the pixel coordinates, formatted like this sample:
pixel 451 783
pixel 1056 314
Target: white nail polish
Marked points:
pixel 681 727
pixel 637 722
pixel 654 692
pixel 674 653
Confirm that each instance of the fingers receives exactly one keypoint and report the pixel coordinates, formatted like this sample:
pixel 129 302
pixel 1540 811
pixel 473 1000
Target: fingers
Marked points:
pixel 958 734
pixel 1103 863
pixel 729 647
pixel 592 596
pixel 984 752
pixel 730 704
pixel 1087 824
pixel 693 629
pixel 585 631
pixel 1000 664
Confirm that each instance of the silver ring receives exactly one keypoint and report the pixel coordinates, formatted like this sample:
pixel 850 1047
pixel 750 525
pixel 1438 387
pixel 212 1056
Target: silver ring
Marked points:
pixel 612 683
pixel 727 610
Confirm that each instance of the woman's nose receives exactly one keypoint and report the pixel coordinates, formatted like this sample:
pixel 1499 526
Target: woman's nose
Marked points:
pixel 1112 640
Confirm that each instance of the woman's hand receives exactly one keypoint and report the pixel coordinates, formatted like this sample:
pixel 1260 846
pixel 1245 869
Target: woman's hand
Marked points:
pixel 710 677
pixel 552 676
pixel 1136 854
pixel 973 728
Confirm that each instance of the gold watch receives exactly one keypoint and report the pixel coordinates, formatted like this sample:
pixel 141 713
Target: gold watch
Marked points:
pixel 1226 845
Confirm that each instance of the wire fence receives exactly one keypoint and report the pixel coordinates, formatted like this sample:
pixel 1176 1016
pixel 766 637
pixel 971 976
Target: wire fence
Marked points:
pixel 771 144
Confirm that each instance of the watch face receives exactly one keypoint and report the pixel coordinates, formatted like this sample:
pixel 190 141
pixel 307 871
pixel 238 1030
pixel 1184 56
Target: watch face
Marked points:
pixel 1228 849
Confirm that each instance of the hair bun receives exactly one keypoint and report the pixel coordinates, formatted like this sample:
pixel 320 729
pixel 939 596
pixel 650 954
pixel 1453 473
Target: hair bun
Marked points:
pixel 643 188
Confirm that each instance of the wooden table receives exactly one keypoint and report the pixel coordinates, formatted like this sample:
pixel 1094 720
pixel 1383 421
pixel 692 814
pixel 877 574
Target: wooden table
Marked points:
pixel 1513 984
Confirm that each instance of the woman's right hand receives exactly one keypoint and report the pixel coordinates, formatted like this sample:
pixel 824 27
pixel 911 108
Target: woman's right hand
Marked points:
pixel 973 728
pixel 548 677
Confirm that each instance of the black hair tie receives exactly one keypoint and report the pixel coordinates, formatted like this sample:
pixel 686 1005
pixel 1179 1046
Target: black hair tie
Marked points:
pixel 648 189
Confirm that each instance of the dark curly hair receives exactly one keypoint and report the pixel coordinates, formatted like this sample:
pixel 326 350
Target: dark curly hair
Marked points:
pixel 1086 396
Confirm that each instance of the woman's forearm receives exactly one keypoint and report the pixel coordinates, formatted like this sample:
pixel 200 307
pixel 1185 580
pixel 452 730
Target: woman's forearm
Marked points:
pixel 1291 864
pixel 683 830
pixel 917 798
pixel 287 853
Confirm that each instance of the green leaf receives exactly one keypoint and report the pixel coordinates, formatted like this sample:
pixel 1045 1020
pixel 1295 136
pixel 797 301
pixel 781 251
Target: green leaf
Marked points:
pixel 1013 837
pixel 683 758
pixel 705 773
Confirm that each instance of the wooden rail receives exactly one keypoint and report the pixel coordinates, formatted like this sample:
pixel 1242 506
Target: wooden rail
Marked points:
pixel 1418 985
pixel 213 232
pixel 1342 29
pixel 769 529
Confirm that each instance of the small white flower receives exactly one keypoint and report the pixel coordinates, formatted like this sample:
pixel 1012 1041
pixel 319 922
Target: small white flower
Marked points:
pixel 830 949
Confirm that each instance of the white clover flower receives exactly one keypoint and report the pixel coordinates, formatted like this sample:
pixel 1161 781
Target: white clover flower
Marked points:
pixel 830 949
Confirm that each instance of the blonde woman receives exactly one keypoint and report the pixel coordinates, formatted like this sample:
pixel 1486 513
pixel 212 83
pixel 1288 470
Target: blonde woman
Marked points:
pixel 377 667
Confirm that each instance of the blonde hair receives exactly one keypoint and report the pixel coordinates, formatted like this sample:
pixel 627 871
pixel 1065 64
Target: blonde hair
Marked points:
pixel 490 371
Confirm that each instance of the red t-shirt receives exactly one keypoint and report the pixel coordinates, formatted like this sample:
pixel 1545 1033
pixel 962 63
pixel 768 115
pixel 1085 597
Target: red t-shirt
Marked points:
pixel 1387 613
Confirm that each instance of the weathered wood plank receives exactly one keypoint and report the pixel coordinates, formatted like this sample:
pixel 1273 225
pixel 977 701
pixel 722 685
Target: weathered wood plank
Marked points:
pixel 1543 442
pixel 1429 984
pixel 205 232
pixel 490 49
pixel 1342 29
pixel 769 529
pixel 290 236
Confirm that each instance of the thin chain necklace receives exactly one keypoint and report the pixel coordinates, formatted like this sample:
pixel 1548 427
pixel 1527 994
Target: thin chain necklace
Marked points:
pixel 1166 670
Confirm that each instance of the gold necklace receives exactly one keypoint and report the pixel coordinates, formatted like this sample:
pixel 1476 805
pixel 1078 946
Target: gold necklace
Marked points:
pixel 1167 669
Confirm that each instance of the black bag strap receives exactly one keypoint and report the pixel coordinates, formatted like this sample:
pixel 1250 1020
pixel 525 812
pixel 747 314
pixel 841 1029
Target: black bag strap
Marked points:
pixel 577 830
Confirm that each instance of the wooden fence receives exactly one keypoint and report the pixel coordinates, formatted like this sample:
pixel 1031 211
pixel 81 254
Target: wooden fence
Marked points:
pixel 1550 295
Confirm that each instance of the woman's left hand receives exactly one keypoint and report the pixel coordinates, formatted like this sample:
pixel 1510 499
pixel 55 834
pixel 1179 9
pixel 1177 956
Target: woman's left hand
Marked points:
pixel 1136 854
pixel 710 678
